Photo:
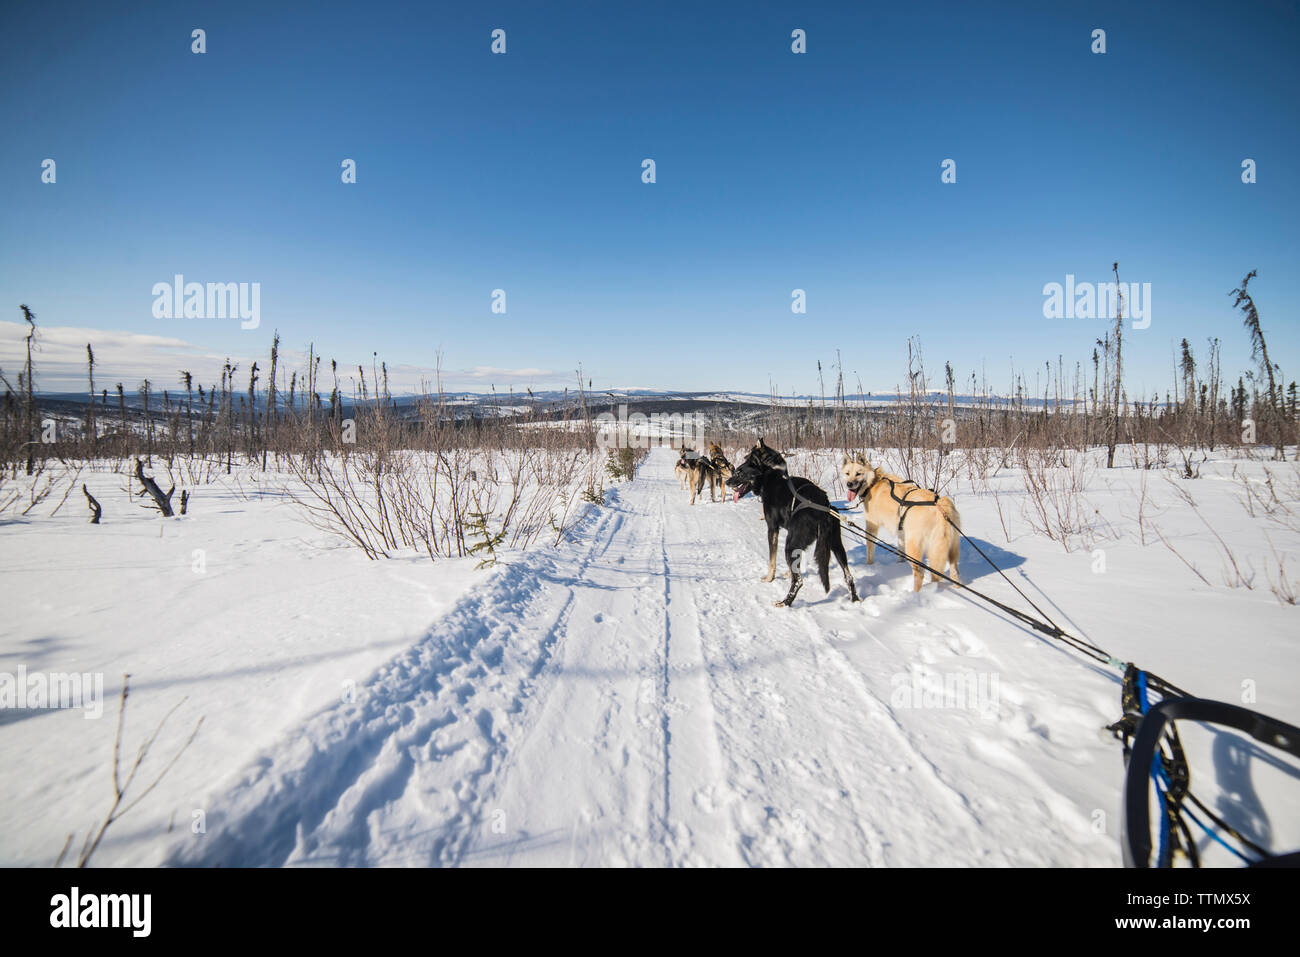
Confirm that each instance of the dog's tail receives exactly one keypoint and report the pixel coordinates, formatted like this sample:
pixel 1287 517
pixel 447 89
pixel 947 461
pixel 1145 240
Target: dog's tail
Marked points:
pixel 954 535
pixel 823 553
pixel 950 511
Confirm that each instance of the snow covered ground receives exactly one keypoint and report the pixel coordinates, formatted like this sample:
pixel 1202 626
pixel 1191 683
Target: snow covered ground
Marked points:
pixel 632 697
pixel 240 610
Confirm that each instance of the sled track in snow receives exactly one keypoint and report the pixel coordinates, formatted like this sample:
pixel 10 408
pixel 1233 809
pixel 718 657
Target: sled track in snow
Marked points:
pixel 629 698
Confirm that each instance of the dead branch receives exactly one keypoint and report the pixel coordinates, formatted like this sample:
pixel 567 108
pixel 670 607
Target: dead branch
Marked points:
pixel 95 510
pixel 163 502
pixel 120 788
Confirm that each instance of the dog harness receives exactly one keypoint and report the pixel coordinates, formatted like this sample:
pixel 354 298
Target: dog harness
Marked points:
pixel 904 504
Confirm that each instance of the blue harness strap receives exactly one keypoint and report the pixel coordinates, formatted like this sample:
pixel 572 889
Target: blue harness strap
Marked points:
pixel 1158 776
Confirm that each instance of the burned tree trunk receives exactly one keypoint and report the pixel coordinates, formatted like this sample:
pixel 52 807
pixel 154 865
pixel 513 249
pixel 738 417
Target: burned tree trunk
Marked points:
pixel 95 510
pixel 163 501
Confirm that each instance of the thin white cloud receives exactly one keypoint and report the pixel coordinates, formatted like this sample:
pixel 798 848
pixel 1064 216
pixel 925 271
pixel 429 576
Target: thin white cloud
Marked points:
pixel 130 357
pixel 59 358
pixel 492 372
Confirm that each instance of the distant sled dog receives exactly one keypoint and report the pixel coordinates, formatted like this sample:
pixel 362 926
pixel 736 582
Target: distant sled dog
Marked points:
pixel 919 516
pixel 720 466
pixel 763 472
pixel 698 470
pixel 682 472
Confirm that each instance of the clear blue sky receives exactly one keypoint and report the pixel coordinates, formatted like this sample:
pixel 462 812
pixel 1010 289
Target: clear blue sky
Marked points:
pixel 775 171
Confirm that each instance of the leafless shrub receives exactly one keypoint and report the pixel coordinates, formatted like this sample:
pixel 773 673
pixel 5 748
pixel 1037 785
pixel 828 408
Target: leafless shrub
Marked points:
pixel 1144 504
pixel 1002 519
pixel 1262 496
pixel 120 786
pixel 71 478
pixel 1233 574
pixel 1055 505
pixel 1180 490
pixel 1195 571
pixel 1283 588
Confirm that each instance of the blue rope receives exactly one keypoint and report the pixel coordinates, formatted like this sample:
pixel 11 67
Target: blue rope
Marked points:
pixel 1216 837
pixel 1157 773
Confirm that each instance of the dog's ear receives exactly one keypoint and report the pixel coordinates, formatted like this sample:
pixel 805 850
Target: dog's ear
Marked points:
pixel 862 460
pixel 847 460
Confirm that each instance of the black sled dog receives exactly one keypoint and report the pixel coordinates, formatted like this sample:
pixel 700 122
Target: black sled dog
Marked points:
pixel 763 473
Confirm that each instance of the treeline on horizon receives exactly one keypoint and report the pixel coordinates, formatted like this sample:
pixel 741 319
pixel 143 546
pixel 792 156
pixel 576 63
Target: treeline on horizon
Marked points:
pixel 251 418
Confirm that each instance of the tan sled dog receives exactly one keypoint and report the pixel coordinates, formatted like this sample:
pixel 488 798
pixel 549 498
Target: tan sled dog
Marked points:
pixel 699 471
pixel 721 467
pixel 928 529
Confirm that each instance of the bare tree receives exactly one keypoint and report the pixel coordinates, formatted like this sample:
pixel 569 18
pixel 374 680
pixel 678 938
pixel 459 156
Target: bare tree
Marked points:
pixel 1259 352
pixel 1119 347
pixel 29 405
pixel 91 435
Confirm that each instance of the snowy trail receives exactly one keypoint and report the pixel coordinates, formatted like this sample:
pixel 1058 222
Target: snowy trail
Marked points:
pixel 633 698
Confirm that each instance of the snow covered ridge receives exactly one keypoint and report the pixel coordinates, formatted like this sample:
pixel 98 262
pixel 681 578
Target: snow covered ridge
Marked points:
pixel 623 693
pixel 551 401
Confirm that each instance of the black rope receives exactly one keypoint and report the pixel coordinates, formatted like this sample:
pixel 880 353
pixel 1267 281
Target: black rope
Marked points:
pixel 1177 774
pixel 904 501
pixel 1225 826
pixel 1047 627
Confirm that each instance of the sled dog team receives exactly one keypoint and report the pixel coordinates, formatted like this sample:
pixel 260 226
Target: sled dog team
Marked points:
pixel 694 470
pixel 927 525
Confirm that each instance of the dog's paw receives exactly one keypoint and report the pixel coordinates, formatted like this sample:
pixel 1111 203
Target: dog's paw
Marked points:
pixel 779 604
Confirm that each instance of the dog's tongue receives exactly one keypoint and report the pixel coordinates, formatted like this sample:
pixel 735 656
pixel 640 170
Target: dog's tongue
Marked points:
pixel 852 495
pixel 735 496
